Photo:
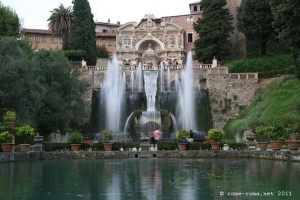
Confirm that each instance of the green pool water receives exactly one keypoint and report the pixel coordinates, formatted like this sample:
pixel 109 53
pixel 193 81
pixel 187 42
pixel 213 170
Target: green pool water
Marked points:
pixel 186 179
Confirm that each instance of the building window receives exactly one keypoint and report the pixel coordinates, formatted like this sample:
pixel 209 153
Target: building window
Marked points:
pixel 30 38
pixel 55 40
pixel 190 37
pixel 37 39
pixel 189 19
pixel 44 39
pixel 104 31
pixel 195 8
pixel 110 43
pixel 167 19
pixel 103 43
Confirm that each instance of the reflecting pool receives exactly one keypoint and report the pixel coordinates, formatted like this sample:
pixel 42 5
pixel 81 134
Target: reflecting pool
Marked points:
pixel 150 179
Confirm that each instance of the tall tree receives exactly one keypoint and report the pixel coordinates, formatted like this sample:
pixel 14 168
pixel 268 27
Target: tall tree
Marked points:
pixel 214 31
pixel 60 22
pixel 287 24
pixel 9 22
pixel 255 21
pixel 82 34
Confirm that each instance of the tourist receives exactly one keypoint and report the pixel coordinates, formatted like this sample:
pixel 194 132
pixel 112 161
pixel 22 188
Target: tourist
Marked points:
pixel 152 141
pixel 191 139
pixel 157 135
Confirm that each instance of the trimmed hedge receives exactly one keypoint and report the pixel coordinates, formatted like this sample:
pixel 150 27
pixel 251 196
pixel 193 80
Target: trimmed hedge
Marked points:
pixel 75 55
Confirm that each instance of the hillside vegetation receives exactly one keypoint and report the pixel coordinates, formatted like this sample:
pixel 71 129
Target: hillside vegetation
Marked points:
pixel 267 66
pixel 279 103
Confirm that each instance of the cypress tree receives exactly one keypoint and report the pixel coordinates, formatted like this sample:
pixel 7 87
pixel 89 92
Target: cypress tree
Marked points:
pixel 214 30
pixel 82 34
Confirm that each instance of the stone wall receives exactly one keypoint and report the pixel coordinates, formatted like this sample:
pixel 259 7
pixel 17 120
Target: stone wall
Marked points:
pixel 93 155
pixel 229 93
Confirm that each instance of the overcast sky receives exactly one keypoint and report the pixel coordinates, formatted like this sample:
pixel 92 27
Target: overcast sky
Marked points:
pixel 34 13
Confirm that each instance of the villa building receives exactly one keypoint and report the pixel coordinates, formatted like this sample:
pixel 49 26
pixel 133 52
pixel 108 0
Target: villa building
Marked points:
pixel 151 40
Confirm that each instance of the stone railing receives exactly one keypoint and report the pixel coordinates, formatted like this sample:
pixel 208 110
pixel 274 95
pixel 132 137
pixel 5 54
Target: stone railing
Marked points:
pixel 145 67
pixel 244 75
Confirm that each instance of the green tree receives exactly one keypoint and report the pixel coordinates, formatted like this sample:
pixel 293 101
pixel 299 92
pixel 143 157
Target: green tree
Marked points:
pixel 286 23
pixel 82 34
pixel 214 30
pixel 18 87
pixel 60 22
pixel 41 87
pixel 102 52
pixel 62 91
pixel 9 22
pixel 255 21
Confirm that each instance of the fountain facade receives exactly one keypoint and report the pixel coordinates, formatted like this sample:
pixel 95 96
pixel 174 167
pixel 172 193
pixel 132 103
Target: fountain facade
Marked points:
pixel 154 98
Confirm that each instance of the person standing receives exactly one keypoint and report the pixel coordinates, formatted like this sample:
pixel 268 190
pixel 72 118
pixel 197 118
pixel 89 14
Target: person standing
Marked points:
pixel 157 136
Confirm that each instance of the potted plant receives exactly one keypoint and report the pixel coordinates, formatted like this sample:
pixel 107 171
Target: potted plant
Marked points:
pixel 107 135
pixel 262 134
pixel 292 131
pixel 216 135
pixel 182 136
pixel 277 135
pixel 75 139
pixel 6 141
pixel 10 118
pixel 26 133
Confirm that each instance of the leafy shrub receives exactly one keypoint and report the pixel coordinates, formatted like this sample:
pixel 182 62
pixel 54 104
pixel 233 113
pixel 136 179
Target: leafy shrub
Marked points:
pixel 215 134
pixel 9 116
pixel 166 145
pixel 75 55
pixel 237 145
pixel 267 67
pixel 107 135
pixel 6 137
pixel 25 130
pixel 56 146
pixel 75 137
pixel 182 135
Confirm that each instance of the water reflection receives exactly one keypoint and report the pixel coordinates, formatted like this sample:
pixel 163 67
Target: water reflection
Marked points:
pixel 149 179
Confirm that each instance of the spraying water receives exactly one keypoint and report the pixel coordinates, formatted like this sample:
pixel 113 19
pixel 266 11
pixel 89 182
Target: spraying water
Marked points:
pixel 140 77
pixel 150 78
pixel 186 100
pixel 168 79
pixel 161 77
pixel 113 94
pixel 132 80
pixel 176 82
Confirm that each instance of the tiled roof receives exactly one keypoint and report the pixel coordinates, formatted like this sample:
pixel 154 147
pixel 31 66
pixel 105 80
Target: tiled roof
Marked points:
pixel 41 31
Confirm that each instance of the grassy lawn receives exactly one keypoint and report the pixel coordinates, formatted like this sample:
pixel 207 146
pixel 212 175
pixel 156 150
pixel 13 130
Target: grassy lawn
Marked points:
pixel 279 103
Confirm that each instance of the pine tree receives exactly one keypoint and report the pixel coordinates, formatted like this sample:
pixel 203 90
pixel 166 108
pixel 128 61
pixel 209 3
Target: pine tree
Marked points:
pixel 9 22
pixel 82 34
pixel 255 21
pixel 287 24
pixel 214 30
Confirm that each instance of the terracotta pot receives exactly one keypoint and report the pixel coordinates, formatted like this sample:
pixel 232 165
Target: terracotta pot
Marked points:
pixel 24 147
pixel 262 145
pixel 182 146
pixel 107 146
pixel 293 144
pixel 7 147
pixel 276 145
pixel 294 136
pixel 215 146
pixel 75 147
pixel 11 124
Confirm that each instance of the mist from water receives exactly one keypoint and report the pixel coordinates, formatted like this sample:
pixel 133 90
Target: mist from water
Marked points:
pixel 186 98
pixel 113 94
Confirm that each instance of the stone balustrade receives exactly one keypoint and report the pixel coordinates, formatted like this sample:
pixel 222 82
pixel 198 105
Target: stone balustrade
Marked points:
pixel 145 67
